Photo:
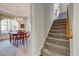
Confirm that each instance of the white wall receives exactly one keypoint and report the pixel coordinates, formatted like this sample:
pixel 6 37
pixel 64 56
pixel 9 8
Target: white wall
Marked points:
pixel 4 36
pixel 71 21
pixel 63 7
pixel 63 10
pixel 56 10
pixel 48 17
pixel 42 17
pixel 37 27
pixel 76 29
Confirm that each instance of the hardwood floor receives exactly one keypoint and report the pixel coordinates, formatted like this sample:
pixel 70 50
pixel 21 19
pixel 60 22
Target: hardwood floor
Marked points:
pixel 7 49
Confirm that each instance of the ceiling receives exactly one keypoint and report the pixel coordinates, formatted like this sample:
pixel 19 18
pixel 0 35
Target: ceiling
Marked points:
pixel 15 9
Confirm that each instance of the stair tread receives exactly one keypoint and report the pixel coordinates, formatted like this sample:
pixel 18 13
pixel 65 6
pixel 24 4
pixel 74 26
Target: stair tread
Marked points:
pixel 60 26
pixel 59 22
pixel 60 19
pixel 55 45
pixel 58 29
pixel 64 40
pixel 51 54
pixel 64 22
pixel 58 34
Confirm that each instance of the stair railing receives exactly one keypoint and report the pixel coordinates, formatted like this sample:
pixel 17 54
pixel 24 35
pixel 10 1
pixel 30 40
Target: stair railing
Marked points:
pixel 68 24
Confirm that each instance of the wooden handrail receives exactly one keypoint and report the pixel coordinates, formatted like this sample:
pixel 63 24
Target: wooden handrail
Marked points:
pixel 68 27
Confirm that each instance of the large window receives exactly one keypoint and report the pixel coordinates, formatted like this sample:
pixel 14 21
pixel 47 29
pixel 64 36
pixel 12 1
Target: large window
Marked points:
pixel 9 25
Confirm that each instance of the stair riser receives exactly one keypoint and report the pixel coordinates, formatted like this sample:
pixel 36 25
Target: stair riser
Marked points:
pixel 57 36
pixel 64 20
pixel 58 27
pixel 58 50
pixel 44 54
pixel 63 32
pixel 59 24
pixel 58 30
pixel 59 21
pixel 66 44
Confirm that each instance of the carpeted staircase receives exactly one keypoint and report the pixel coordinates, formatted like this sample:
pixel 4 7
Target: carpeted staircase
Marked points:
pixel 57 44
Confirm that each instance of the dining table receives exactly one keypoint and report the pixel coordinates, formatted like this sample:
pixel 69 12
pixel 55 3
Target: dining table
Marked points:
pixel 18 36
